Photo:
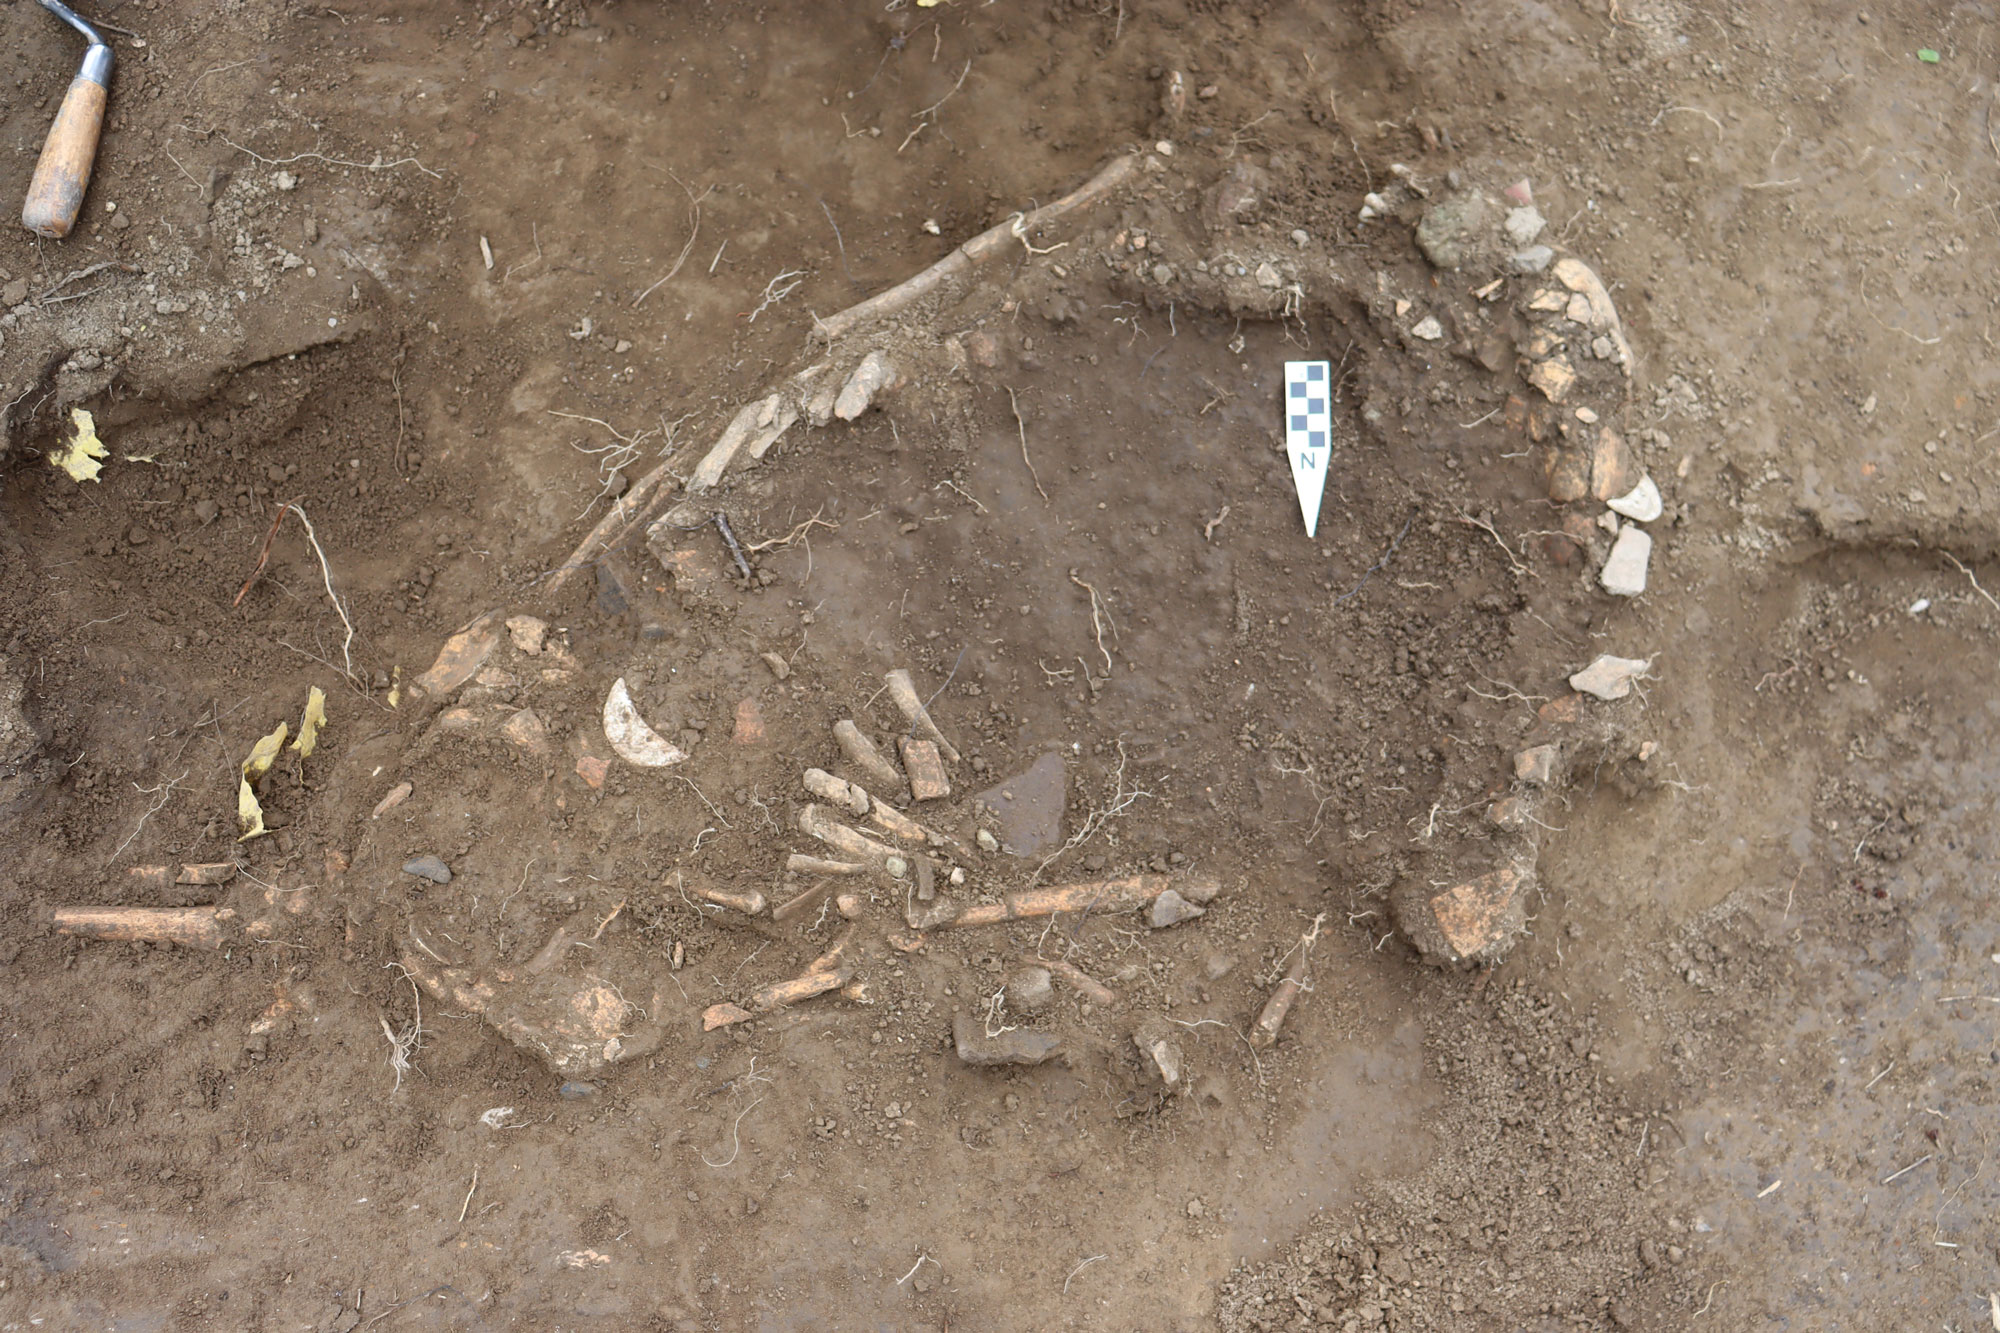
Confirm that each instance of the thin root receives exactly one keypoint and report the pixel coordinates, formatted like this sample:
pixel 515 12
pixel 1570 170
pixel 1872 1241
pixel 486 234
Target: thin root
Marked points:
pixel 1022 427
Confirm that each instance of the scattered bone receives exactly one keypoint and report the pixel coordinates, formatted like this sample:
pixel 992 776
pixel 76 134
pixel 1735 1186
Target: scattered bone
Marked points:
pixel 1090 987
pixel 462 720
pixel 1101 896
pixel 874 375
pixel 191 927
pixel 528 634
pixel 1554 377
pixel 773 419
pixel 462 656
pixel 1598 310
pixel 851 906
pixel 750 904
pixel 861 753
pixel 722 1015
pixel 799 904
pixel 904 691
pixel 727 446
pixel 1265 1030
pixel 781 993
pixel 1014 1046
pixel 566 937
pixel 813 865
pixel 859 992
pixel 635 742
pixel 928 781
pixel 163 877
pixel 909 830
pixel 899 824
pixel 815 823
pixel 830 971
pixel 397 795
pixel 998 239
pixel 1602 314
pixel 1610 678
pixel 527 731
pixel 836 791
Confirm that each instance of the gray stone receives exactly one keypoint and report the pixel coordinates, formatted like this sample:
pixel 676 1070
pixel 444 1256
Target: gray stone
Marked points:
pixel 1610 678
pixel 1159 1053
pixel 1642 503
pixel 1237 195
pixel 428 867
pixel 1523 225
pixel 1017 1046
pixel 1450 229
pixel 1170 909
pixel 576 1090
pixel 1030 991
pixel 1534 259
pixel 1029 806
pixel 1624 572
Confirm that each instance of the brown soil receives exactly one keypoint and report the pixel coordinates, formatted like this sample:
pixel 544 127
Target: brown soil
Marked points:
pixel 1736 1067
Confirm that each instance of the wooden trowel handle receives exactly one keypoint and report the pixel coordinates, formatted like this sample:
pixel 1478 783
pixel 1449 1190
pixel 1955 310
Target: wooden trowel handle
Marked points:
pixel 55 195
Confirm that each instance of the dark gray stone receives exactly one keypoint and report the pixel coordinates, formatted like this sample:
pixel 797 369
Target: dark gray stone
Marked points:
pixel 1019 1046
pixel 428 867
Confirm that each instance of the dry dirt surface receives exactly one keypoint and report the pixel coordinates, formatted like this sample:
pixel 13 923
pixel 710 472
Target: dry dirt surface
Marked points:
pixel 632 947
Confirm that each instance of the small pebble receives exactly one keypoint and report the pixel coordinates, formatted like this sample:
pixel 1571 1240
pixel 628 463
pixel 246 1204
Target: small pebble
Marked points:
pixel 428 867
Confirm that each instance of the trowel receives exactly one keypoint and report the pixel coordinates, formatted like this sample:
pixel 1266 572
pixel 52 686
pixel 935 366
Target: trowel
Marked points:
pixel 55 195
